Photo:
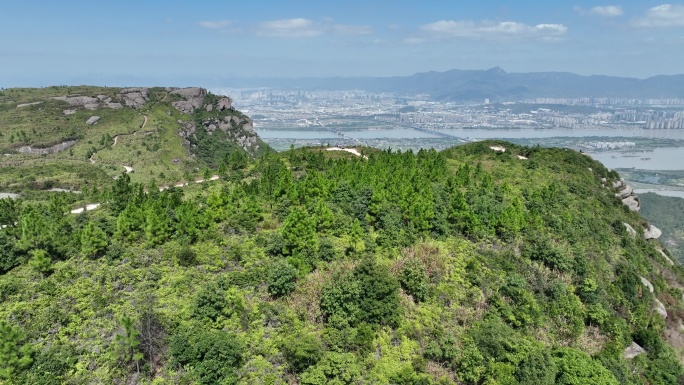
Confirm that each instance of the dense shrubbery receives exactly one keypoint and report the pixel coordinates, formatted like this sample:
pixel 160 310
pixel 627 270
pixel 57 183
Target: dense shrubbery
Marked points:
pixel 404 268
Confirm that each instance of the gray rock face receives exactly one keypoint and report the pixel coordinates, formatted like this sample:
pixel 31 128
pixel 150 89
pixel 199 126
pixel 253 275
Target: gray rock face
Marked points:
pixel 48 150
pixel 652 232
pixel 77 100
pixel 627 191
pixel 633 350
pixel 184 106
pixel 630 230
pixel 114 106
pixel 632 203
pixel 92 120
pixel 660 308
pixel 617 184
pixel 224 104
pixel 647 283
pixel 69 112
pixel 194 97
pixel 134 97
pixel 209 107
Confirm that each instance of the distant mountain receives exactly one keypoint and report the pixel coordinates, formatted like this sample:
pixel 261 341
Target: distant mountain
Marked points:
pixel 495 84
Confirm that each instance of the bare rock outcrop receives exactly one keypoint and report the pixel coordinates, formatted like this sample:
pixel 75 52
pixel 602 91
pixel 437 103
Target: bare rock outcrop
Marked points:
pixel 632 203
pixel 47 150
pixel 224 104
pixel 660 308
pixel 627 191
pixel 652 232
pixel 79 101
pixel 92 120
pixel 134 97
pixel 647 283
pixel 194 97
pixel 633 350
pixel 626 194
pixel 28 104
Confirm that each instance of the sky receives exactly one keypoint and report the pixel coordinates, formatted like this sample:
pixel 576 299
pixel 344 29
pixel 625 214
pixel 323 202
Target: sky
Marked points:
pixel 47 42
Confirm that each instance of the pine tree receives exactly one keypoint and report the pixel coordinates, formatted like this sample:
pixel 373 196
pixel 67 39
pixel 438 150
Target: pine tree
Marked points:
pixel 15 355
pixel 93 240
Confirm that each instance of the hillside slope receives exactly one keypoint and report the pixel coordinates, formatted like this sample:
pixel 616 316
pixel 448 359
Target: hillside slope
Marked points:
pixel 80 137
pixel 469 266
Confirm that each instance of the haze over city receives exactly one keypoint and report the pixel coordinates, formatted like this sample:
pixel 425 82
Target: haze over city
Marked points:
pixel 159 41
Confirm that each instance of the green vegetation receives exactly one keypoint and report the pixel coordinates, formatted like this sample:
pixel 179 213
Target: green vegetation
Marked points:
pixel 145 139
pixel 466 266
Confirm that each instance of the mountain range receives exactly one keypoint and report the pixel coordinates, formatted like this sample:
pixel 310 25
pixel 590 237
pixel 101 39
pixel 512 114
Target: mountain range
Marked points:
pixel 495 84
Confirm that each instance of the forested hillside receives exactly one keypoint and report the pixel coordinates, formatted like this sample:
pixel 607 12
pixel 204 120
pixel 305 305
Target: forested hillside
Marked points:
pixel 467 266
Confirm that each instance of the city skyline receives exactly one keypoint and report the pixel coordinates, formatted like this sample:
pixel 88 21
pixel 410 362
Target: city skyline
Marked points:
pixel 55 43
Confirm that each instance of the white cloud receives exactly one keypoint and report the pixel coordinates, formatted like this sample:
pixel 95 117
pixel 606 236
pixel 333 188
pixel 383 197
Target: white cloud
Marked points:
pixel 607 10
pixel 343 29
pixel 666 15
pixel 218 24
pixel 298 27
pixel 415 40
pixel 493 30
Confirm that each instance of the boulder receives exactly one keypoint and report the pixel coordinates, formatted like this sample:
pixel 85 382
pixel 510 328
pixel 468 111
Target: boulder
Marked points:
pixel 617 184
pixel 660 308
pixel 209 107
pixel 652 232
pixel 224 104
pixel 69 112
pixel 77 100
pixel 647 283
pixel 134 97
pixel 631 202
pixel 633 350
pixel 47 150
pixel 92 120
pixel 626 192
pixel 194 96
pixel 630 230
pixel 114 106
pixel 184 107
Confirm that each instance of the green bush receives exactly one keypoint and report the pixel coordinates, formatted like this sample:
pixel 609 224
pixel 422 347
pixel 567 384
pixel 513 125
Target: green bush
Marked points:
pixel 301 351
pixel 282 279
pixel 577 368
pixel 414 279
pixel 369 294
pixel 333 368
pixel 214 355
pixel 209 303
pixel 15 353
pixel 537 368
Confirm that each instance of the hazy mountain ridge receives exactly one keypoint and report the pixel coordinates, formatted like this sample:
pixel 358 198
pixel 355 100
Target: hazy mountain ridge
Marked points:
pixel 494 84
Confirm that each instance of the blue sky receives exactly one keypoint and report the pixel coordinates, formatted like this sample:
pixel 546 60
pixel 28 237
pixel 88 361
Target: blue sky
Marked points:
pixel 50 42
